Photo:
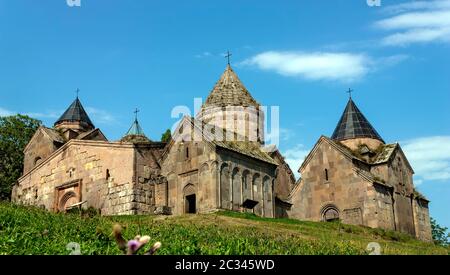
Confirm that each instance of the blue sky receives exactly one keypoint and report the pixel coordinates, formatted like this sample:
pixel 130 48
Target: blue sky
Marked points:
pixel 299 55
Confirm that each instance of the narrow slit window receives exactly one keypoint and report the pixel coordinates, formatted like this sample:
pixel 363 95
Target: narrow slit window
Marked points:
pixel 326 174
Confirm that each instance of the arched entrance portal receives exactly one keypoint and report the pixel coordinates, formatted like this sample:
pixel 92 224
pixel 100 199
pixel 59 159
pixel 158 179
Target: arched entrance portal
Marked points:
pixel 69 199
pixel 190 200
pixel 330 213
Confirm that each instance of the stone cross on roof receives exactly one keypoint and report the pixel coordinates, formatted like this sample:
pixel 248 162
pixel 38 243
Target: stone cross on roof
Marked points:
pixel 136 113
pixel 350 91
pixel 227 56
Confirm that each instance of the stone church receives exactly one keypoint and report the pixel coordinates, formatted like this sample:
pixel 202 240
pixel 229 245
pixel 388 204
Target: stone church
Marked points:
pixel 218 160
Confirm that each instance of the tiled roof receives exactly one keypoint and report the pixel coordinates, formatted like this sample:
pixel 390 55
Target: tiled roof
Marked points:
pixel 251 149
pixel 353 124
pixel 135 134
pixel 54 135
pixel 385 153
pixel 229 91
pixel 75 112
pixel 135 129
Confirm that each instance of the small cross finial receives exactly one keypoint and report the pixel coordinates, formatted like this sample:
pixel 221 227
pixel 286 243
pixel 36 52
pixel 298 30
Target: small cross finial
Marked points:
pixel 136 113
pixel 228 55
pixel 350 91
pixel 77 91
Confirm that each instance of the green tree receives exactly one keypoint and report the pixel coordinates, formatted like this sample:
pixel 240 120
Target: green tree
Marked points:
pixel 15 133
pixel 439 233
pixel 167 136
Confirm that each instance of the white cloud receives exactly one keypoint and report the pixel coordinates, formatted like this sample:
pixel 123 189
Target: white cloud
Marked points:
pixel 51 114
pixel 203 54
pixel 295 157
pixel 283 134
pixel 4 112
pixel 417 5
pixel 417 22
pixel 343 67
pixel 429 157
pixel 100 116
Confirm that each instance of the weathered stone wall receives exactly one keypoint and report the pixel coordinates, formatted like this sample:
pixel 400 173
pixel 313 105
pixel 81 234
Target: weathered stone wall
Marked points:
pixel 422 221
pixel 190 168
pixel 149 187
pixel 285 179
pixel 97 172
pixel 384 215
pixel 343 192
pixel 38 150
pixel 397 174
pixel 244 178
pixel 246 122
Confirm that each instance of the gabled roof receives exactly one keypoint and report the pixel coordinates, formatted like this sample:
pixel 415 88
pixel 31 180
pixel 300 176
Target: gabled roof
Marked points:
pixel 95 132
pixel 337 145
pixel 229 91
pixel 250 149
pixel 353 124
pixel 52 134
pixel 383 155
pixel 75 112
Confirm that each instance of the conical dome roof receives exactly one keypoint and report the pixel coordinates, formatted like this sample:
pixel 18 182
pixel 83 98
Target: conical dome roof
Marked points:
pixel 229 91
pixel 135 129
pixel 75 113
pixel 135 134
pixel 353 124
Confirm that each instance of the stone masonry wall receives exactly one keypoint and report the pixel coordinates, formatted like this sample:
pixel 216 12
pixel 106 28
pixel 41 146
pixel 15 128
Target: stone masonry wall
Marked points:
pixel 422 220
pixel 100 173
pixel 40 148
pixel 344 191
pixel 243 178
pixel 190 168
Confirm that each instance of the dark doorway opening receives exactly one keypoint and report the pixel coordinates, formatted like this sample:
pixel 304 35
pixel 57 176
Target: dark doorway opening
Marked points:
pixel 190 204
pixel 331 215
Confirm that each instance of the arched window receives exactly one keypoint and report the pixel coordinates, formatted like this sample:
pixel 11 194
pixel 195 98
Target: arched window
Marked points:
pixel 37 160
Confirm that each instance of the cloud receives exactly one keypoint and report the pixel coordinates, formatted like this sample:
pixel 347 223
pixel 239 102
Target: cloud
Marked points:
pixel 295 157
pixel 417 5
pixel 101 116
pixel 51 114
pixel 313 66
pixel 417 22
pixel 4 112
pixel 429 157
pixel 203 54
pixel 330 66
pixel 283 134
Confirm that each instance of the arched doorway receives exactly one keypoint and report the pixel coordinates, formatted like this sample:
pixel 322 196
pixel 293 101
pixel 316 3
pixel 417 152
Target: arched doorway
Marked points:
pixel 330 213
pixel 190 199
pixel 69 199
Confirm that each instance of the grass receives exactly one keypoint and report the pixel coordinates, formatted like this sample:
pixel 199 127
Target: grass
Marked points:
pixel 29 230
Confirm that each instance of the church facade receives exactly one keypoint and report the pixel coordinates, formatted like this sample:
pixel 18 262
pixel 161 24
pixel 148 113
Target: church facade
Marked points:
pixel 357 178
pixel 218 160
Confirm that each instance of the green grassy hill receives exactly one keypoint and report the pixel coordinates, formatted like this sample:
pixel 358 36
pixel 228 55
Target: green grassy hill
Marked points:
pixel 27 230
